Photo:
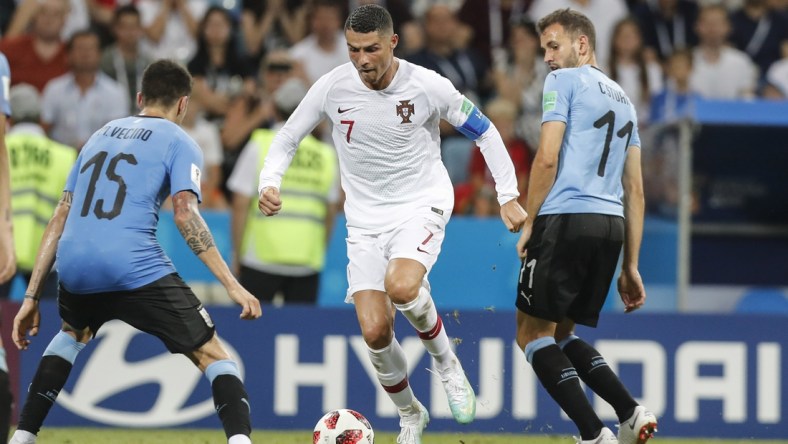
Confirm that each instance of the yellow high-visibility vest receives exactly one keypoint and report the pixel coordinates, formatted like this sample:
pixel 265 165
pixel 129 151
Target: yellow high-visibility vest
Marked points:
pixel 297 235
pixel 39 169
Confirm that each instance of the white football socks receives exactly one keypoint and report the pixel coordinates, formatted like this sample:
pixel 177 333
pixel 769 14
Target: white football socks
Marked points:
pixel 392 370
pixel 423 316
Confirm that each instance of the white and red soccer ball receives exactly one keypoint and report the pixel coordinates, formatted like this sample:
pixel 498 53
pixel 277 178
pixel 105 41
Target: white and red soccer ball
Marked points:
pixel 343 426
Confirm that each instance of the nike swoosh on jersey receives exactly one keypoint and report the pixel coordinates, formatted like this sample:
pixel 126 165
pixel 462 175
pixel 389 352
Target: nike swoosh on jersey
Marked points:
pixel 340 110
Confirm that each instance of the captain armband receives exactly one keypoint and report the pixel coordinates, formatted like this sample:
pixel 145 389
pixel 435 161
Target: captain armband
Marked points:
pixel 476 123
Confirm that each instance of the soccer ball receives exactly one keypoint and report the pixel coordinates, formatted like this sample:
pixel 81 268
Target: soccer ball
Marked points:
pixel 343 426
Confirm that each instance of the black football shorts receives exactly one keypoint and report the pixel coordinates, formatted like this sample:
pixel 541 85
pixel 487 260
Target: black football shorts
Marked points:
pixel 166 308
pixel 570 262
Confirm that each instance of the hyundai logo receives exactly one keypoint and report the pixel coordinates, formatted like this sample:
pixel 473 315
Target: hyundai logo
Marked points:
pixel 107 373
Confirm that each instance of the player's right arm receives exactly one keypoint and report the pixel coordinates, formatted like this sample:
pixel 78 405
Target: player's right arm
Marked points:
pixel 28 318
pixel 303 120
pixel 630 284
pixel 198 237
pixel 558 90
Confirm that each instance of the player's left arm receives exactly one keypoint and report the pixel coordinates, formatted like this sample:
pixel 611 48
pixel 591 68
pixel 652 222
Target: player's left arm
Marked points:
pixel 473 124
pixel 630 284
pixel 199 238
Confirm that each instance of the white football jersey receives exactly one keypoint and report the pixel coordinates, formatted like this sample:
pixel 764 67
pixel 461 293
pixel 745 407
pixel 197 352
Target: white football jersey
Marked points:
pixel 387 141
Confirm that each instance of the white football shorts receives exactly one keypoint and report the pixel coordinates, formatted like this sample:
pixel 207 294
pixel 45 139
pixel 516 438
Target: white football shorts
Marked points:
pixel 419 238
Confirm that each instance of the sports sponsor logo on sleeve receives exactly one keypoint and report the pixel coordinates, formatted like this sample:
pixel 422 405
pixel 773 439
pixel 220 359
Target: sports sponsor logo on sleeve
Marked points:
pixel 195 175
pixel 6 87
pixel 467 107
pixel 549 100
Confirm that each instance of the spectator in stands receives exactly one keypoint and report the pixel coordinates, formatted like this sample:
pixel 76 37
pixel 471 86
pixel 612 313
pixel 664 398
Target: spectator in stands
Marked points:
pixel 248 112
pixel 719 71
pixel 171 26
pixel 464 68
pixel 284 257
pixel 270 24
pixel 219 70
pixel 7 8
pixel 324 48
pixel 79 102
pixel 491 22
pixel 777 77
pixel 759 31
pixel 206 134
pixel 125 60
pixel 39 55
pixel 603 13
pixel 667 25
pixel 521 78
pixel 638 77
pixel 78 14
pixel 676 100
pixel 481 198
pixel 39 168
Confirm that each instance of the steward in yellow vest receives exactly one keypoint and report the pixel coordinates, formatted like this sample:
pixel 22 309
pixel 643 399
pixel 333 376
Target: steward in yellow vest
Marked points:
pixel 284 254
pixel 39 169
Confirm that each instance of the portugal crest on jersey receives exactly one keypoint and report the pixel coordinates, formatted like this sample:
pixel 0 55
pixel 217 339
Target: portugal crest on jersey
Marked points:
pixel 405 110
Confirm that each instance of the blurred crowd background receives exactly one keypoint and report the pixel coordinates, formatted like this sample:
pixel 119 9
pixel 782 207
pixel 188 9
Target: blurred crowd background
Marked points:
pixel 85 59
pixel 75 64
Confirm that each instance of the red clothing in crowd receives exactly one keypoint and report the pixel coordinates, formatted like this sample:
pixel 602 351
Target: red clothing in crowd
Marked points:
pixel 27 66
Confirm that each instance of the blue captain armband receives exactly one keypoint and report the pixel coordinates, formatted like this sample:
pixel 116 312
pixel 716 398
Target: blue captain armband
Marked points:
pixel 476 123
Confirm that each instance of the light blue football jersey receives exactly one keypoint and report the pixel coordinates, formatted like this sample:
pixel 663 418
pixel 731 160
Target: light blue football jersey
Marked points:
pixel 122 175
pixel 600 125
pixel 5 85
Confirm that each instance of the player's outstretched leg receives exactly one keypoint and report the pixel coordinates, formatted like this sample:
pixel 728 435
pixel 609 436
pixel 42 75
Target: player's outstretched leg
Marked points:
pixel 391 368
pixel 637 425
pixel 6 398
pixel 424 317
pixel 560 379
pixel 231 400
pixel 51 376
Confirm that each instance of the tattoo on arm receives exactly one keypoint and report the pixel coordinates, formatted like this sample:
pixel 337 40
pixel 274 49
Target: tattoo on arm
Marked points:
pixel 193 228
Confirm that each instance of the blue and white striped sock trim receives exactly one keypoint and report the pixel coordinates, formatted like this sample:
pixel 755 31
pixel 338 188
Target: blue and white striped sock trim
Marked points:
pixel 536 345
pixel 222 367
pixel 567 340
pixel 65 346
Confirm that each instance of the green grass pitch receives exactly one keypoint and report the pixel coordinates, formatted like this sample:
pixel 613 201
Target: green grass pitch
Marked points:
pixel 192 436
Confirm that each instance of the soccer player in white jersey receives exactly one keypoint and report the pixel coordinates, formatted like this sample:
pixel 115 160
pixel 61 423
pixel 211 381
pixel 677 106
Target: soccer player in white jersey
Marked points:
pixel 384 114
pixel 586 194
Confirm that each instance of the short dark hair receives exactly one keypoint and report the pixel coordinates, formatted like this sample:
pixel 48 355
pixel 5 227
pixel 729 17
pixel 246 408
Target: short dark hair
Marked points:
pixel 574 22
pixel 79 34
pixel 120 11
pixel 164 82
pixel 370 18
